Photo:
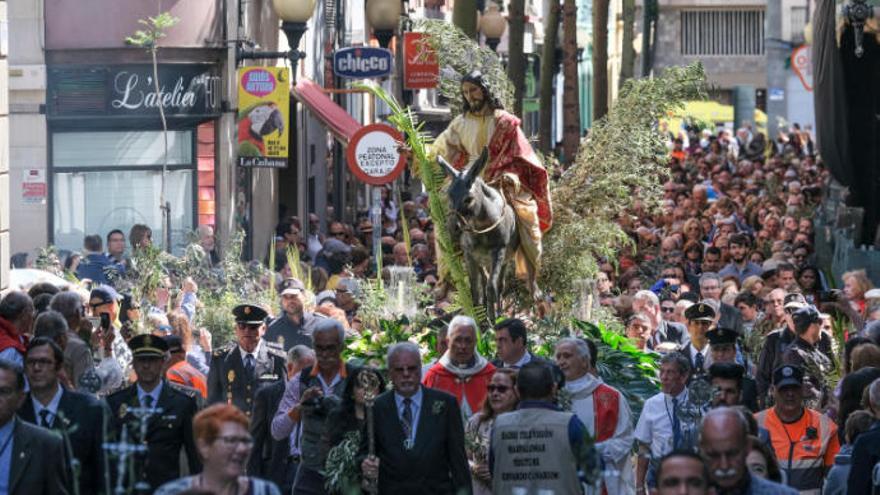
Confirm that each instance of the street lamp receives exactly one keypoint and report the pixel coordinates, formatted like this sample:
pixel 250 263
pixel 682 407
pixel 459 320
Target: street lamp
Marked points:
pixel 492 25
pixel 294 15
pixel 384 16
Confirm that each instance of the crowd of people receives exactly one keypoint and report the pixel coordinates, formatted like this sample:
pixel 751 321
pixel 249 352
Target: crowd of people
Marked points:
pixel 768 375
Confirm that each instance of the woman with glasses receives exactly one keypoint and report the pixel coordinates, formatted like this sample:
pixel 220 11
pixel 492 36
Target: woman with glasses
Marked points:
pixel 224 445
pixel 502 398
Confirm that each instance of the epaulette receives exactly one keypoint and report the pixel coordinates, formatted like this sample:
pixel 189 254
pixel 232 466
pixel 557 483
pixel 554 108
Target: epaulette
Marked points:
pixel 187 391
pixel 223 351
pixel 276 349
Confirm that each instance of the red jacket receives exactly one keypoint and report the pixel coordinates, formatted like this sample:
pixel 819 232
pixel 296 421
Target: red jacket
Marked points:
pixel 9 337
pixel 472 387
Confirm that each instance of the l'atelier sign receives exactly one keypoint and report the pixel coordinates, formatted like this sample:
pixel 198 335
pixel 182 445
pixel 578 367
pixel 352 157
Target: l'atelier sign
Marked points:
pixel 185 90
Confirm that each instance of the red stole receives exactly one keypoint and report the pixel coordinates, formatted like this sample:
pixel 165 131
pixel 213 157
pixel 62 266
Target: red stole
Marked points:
pixel 606 406
pixel 9 337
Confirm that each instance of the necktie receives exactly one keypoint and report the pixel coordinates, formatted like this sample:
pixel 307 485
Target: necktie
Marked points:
pixel 699 361
pixel 147 401
pixel 249 364
pixel 44 418
pixel 407 419
pixel 676 425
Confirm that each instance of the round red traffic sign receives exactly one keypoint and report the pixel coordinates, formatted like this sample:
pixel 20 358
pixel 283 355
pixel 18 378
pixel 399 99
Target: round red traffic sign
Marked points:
pixel 372 154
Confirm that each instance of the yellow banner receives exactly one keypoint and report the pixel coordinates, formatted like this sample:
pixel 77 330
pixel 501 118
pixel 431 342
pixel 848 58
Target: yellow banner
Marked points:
pixel 263 116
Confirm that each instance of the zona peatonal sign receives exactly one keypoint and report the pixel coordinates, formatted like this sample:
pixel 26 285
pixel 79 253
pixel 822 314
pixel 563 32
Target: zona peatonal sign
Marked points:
pixel 362 62
pixel 373 156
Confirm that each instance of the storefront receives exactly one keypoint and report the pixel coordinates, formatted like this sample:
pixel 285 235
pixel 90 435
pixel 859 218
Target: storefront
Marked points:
pixel 106 149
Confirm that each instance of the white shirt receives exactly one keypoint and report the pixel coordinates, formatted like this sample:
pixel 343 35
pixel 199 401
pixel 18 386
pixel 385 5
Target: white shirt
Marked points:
pixel 704 352
pixel 615 451
pixel 153 393
pixel 415 407
pixel 527 358
pixel 655 424
pixel 52 406
pixel 245 353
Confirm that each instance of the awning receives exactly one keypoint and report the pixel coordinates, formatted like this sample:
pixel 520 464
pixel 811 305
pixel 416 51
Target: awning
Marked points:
pixel 334 117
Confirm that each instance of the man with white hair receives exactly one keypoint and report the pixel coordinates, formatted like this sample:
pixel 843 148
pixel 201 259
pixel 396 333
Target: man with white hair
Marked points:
pixel 462 371
pixel 603 410
pixel 647 303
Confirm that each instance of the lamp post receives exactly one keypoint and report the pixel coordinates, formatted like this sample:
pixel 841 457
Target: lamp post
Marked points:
pixel 294 15
pixel 384 16
pixel 492 25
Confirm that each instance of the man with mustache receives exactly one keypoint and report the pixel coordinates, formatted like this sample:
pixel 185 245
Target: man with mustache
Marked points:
pixel 724 445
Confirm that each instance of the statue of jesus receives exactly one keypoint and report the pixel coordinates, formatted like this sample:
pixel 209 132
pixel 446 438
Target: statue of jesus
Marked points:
pixel 513 166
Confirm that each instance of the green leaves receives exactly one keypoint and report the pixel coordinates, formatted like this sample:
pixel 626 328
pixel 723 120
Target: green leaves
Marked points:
pixel 154 31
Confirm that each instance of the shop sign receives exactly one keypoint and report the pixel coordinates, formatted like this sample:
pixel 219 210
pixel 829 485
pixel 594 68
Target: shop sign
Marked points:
pixel 263 116
pixel 362 62
pixel 33 186
pixel 373 155
pixel 421 69
pixel 802 63
pixel 185 90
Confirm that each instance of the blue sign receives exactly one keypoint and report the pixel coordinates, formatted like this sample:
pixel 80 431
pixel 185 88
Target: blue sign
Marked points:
pixel 362 62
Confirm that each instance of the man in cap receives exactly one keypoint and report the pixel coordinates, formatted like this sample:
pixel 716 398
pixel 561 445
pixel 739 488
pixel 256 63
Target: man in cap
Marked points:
pixel 803 353
pixel 778 340
pixel 240 369
pixel 700 317
pixel 805 440
pixel 104 304
pixel 293 326
pixel 722 350
pixel 170 423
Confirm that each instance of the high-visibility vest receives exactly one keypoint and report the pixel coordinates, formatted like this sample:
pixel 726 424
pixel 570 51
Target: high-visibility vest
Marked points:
pixel 185 374
pixel 803 455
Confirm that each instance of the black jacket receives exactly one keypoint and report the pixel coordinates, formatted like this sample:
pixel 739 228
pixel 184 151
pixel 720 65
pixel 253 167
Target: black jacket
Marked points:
pixel 669 331
pixel 865 454
pixel 167 432
pixel 284 332
pixel 82 416
pixel 269 457
pixel 38 462
pixel 499 363
pixel 437 463
pixel 775 345
pixel 228 382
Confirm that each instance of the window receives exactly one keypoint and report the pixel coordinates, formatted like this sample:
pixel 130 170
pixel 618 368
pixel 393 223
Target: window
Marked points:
pixel 722 32
pixel 112 180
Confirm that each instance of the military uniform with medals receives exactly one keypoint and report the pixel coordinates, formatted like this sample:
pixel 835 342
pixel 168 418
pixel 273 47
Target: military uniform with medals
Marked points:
pixel 169 427
pixel 235 381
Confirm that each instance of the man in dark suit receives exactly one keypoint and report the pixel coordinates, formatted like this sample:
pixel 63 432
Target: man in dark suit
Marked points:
pixel 169 427
pixel 32 459
pixel 78 417
pixel 240 369
pixel 511 339
pixel 419 433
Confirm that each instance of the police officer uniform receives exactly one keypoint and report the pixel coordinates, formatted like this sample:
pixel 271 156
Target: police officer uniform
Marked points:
pixel 169 425
pixel 699 358
pixel 725 336
pixel 283 330
pixel 808 356
pixel 235 375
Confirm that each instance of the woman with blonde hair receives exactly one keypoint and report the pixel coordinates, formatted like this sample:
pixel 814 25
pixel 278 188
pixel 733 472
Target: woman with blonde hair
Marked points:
pixel 196 353
pixel 753 284
pixel 855 284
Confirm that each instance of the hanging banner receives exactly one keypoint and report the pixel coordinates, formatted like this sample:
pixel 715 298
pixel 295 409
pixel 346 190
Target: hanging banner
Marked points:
pixel 421 69
pixel 802 64
pixel 263 116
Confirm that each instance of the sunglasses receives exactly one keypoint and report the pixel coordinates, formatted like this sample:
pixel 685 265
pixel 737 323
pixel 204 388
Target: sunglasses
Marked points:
pixel 498 388
pixel 337 234
pixel 667 309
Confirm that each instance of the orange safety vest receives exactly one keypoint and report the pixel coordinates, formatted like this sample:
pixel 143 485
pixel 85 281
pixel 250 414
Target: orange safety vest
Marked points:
pixel 805 449
pixel 185 374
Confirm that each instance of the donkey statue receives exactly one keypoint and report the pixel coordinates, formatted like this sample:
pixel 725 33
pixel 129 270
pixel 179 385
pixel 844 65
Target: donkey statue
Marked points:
pixel 485 225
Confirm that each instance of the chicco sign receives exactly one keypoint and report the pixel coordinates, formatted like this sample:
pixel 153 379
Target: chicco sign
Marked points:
pixel 362 62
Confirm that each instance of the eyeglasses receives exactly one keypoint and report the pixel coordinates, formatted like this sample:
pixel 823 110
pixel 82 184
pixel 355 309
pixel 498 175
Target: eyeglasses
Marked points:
pixel 231 441
pixel 498 388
